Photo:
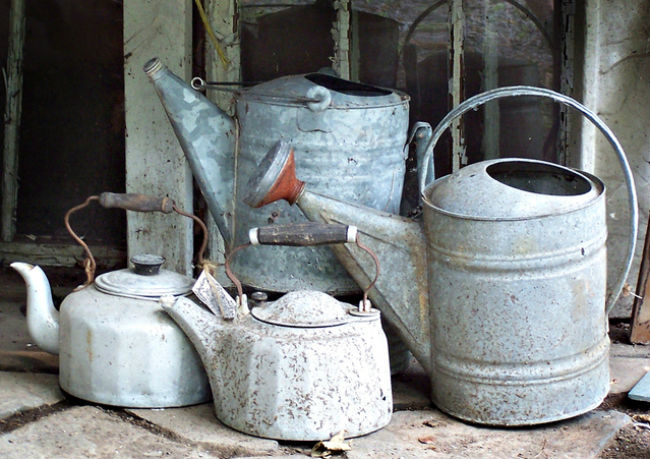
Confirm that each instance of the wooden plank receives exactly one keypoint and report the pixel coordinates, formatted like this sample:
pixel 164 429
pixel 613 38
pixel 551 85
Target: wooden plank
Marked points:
pixel 457 88
pixel 12 115
pixel 491 114
pixel 223 16
pixel 155 163
pixel 64 255
pixel 340 34
pixel 640 333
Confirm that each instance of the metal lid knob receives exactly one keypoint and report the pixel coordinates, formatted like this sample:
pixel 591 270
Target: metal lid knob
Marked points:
pixel 259 297
pixel 147 264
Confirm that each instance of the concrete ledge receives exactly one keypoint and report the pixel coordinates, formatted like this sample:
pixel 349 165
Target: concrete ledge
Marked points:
pixel 199 425
pixel 423 434
pixel 24 391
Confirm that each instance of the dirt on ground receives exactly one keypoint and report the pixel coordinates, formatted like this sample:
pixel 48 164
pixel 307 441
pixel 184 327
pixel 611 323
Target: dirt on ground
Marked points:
pixel 633 441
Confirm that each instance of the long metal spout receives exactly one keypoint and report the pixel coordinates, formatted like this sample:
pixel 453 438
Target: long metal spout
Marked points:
pixel 401 291
pixel 42 316
pixel 207 137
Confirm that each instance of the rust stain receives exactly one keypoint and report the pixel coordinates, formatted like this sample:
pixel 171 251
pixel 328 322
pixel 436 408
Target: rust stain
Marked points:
pixel 89 341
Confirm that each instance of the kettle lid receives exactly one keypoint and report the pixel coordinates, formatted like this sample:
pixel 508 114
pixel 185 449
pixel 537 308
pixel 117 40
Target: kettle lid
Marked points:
pixel 303 309
pixel 144 280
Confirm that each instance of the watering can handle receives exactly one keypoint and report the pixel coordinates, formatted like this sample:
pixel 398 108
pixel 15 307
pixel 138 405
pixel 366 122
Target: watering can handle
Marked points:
pixel 515 91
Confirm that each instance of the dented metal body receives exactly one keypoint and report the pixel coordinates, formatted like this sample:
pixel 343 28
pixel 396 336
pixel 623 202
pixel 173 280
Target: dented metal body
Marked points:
pixel 500 294
pixel 347 137
pixel 301 368
pixel 354 145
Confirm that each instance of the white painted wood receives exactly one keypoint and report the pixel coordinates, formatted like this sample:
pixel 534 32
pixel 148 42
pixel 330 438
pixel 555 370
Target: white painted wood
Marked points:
pixel 587 157
pixel 340 34
pixel 11 119
pixel 155 163
pixel 616 85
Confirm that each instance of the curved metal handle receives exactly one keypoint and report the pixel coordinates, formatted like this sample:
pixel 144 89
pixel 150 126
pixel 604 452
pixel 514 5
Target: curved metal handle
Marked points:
pixel 303 235
pixel 515 91
pixel 137 203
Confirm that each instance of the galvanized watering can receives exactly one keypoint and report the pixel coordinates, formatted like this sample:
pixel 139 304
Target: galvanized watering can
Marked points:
pixel 500 289
pixel 301 368
pixel 346 136
pixel 115 344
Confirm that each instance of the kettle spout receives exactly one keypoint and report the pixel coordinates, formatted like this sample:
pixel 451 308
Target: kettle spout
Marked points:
pixel 207 137
pixel 42 316
pixel 203 329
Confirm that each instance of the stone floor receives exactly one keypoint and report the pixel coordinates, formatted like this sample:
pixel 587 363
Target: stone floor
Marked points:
pixel 38 420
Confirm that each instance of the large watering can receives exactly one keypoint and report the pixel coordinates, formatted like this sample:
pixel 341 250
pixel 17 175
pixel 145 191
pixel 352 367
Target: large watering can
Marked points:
pixel 347 136
pixel 500 289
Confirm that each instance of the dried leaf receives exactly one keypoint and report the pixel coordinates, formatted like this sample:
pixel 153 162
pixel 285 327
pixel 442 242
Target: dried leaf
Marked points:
pixel 431 423
pixel 642 418
pixel 427 440
pixel 326 448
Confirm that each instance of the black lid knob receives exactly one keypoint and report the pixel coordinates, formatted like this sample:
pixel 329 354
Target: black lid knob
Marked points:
pixel 147 264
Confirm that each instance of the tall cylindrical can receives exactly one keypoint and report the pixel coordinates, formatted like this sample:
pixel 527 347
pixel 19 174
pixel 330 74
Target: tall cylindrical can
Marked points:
pixel 350 145
pixel 517 270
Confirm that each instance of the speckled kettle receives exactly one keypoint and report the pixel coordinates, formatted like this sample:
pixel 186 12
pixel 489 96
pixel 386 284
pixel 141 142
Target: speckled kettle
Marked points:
pixel 301 368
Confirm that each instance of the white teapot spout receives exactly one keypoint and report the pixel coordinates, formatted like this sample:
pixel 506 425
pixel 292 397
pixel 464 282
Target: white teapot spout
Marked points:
pixel 42 316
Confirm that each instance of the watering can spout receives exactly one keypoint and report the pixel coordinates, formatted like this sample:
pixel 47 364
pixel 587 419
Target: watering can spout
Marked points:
pixel 399 242
pixel 207 137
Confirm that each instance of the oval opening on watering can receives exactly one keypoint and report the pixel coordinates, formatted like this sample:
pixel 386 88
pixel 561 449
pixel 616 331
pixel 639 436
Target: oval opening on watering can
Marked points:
pixel 346 87
pixel 539 178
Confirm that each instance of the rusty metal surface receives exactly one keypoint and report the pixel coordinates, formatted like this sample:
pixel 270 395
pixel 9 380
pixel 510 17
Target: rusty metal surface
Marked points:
pixel 286 383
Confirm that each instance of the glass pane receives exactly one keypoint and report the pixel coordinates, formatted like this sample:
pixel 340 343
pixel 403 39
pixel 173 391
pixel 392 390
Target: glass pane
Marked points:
pixel 511 43
pixel 284 38
pixel 404 44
